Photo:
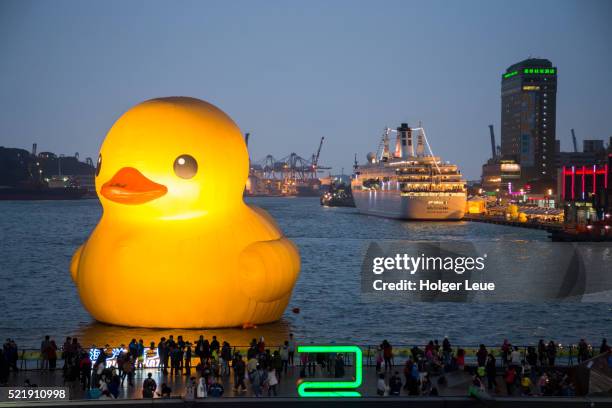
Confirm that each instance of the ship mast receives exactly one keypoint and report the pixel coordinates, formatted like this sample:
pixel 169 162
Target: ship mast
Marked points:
pixel 383 147
pixel 422 129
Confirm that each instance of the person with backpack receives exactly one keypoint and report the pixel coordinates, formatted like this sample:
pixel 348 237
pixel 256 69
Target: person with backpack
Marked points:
pixel 140 354
pixel 214 345
pixel 149 386
pixel 226 356
pixel 256 380
pixel 239 372
pixel 395 384
pixel 133 349
pixel 481 355
pixel 216 389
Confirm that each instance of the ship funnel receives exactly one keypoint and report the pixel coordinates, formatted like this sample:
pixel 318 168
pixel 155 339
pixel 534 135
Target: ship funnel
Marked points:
pixel 404 137
pixel 398 146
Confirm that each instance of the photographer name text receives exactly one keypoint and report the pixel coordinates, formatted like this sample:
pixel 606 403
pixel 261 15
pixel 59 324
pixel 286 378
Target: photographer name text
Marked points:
pixel 432 286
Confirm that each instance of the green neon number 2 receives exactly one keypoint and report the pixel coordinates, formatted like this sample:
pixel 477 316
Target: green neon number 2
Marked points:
pixel 332 388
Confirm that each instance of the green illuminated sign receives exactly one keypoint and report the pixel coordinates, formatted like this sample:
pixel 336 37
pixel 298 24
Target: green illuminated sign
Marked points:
pixel 510 74
pixel 545 71
pixel 332 388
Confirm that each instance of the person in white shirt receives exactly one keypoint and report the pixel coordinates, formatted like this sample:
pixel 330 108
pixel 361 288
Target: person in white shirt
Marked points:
pixel 291 346
pixel 381 386
pixel 271 381
pixel 202 391
pixel 515 357
pixel 284 355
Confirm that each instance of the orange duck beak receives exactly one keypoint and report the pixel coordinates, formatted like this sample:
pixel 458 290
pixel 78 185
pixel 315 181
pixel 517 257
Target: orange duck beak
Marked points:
pixel 129 186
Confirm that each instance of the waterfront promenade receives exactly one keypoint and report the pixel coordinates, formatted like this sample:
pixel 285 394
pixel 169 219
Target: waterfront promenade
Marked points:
pixel 457 386
pixel 458 383
pixel 452 395
pixel 435 371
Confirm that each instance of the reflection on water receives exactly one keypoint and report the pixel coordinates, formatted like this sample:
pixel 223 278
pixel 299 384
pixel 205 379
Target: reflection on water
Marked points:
pixel 101 334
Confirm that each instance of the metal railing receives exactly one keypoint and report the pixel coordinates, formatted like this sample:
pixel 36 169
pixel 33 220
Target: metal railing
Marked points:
pixel 566 356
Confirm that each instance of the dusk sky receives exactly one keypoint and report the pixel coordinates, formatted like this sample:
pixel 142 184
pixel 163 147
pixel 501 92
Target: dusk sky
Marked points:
pixel 290 72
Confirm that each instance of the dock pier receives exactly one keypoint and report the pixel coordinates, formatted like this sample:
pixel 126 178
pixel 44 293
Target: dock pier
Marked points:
pixel 546 226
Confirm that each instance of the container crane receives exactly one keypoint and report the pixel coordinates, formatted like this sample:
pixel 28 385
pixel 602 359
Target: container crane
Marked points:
pixel 315 157
pixel 493 149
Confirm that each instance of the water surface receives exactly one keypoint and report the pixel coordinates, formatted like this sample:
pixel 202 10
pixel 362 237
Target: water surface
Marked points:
pixel 37 240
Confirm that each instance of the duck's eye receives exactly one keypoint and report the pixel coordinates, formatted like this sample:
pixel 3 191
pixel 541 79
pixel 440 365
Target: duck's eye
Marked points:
pixel 99 165
pixel 185 166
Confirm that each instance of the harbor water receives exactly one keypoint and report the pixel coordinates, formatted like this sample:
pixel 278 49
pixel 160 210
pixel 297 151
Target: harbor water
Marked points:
pixel 37 240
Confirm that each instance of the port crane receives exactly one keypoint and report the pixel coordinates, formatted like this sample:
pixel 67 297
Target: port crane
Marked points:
pixel 315 157
pixel 574 141
pixel 288 172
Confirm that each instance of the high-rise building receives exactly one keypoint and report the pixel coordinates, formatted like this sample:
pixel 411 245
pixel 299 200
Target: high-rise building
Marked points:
pixel 528 113
pixel 592 145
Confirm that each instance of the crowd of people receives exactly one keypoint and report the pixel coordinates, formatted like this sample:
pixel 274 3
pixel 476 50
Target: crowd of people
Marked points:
pixel 527 373
pixel 206 364
pixel 209 364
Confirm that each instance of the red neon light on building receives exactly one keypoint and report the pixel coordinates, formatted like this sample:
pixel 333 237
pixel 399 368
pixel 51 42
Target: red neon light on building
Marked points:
pixel 580 172
pixel 583 180
pixel 573 182
pixel 563 181
pixel 583 172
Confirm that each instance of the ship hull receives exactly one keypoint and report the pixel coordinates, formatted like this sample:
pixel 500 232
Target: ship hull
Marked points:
pixel 393 204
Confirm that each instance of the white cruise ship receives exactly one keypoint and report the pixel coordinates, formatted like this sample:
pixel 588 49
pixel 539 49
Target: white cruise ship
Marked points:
pixel 408 183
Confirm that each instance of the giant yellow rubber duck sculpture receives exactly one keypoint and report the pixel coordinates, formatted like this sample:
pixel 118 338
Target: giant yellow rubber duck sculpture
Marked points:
pixel 176 246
